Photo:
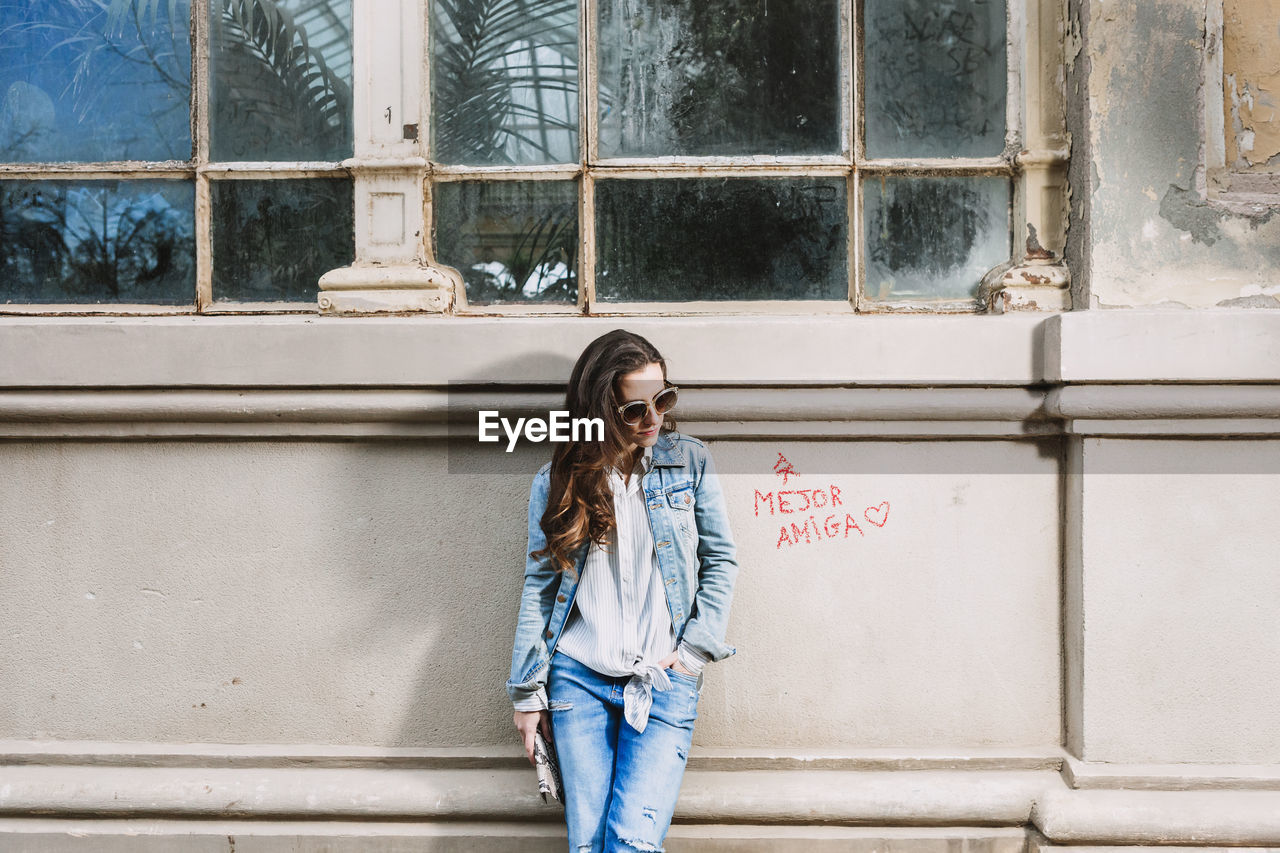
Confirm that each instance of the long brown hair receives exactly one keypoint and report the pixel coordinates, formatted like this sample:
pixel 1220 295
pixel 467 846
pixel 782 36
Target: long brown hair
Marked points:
pixel 579 501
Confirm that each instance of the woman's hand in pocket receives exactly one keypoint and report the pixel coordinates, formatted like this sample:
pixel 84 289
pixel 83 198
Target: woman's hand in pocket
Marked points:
pixel 672 661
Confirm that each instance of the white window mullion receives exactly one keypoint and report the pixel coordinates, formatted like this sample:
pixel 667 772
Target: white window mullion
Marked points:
pixel 850 75
pixel 200 136
pixel 854 239
pixel 1017 117
pixel 587 238
pixel 589 146
pixel 393 269
pixel 1037 111
pixel 1037 149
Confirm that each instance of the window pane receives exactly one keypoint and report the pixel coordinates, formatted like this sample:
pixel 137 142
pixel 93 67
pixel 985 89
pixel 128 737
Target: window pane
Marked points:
pixel 513 241
pixel 934 77
pixel 97 241
pixel 281 79
pixel 696 239
pixel 712 77
pixel 933 238
pixel 81 82
pixel 504 81
pixel 272 240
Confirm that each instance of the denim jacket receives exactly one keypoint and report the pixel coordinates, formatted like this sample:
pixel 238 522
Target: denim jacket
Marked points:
pixel 696 556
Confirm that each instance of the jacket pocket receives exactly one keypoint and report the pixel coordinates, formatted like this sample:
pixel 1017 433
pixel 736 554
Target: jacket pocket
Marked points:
pixel 681 497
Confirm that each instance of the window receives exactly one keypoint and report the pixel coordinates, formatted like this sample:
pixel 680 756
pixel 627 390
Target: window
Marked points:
pixel 137 176
pixel 561 155
pixel 618 153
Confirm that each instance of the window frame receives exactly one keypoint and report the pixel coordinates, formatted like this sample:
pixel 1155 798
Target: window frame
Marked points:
pixel 1023 34
pixel 200 169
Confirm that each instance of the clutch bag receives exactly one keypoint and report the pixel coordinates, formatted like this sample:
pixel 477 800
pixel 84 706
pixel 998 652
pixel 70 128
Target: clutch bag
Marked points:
pixel 548 769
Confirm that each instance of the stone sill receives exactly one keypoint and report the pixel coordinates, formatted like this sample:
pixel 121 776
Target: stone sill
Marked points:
pixel 423 351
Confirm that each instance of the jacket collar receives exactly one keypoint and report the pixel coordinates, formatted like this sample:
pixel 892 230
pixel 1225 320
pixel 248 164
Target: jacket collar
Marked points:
pixel 667 452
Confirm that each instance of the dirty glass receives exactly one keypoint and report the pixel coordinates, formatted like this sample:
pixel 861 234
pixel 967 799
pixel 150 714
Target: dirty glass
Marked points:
pixel 933 238
pixel 280 85
pixel 504 81
pixel 94 82
pixel 712 77
pixel 513 241
pixel 97 242
pixel 718 239
pixel 934 78
pixel 272 240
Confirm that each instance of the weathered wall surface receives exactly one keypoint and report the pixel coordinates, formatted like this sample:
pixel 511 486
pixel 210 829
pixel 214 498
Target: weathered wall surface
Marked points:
pixel 1152 236
pixel 362 594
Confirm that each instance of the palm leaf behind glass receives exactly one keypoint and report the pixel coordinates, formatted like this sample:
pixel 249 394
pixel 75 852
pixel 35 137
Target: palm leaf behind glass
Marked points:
pixel 505 81
pixel 274 95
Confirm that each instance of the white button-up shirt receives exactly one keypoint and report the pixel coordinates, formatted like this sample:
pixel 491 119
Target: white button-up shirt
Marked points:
pixel 620 623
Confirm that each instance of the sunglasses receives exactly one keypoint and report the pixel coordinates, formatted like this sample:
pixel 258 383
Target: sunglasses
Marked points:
pixel 664 401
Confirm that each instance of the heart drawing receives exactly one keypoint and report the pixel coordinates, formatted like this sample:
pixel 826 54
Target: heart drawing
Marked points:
pixel 871 513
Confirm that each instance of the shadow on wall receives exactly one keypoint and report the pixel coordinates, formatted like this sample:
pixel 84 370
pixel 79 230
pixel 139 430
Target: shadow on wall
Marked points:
pixel 471 553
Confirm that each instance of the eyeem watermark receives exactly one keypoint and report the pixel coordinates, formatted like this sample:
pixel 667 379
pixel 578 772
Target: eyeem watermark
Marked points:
pixel 559 427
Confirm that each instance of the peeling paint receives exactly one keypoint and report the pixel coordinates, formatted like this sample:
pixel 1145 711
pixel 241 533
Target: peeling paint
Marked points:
pixel 1257 301
pixel 1251 83
pixel 1186 211
pixel 1074 41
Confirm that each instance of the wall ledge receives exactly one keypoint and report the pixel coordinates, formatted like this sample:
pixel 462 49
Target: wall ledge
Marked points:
pixel 1134 345
pixel 745 412
pixel 53 753
pixel 1170 777
pixel 1010 798
pixel 45 835
pixel 1219 345
pixel 425 350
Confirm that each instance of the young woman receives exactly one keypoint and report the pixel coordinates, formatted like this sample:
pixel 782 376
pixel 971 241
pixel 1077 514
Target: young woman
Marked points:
pixel 627 583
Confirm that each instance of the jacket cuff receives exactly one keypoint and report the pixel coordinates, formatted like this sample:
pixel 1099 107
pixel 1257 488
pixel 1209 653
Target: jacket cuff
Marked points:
pixel 535 702
pixel 691 659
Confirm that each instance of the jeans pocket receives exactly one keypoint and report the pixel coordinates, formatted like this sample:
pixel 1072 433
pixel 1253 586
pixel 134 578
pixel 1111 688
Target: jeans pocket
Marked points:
pixel 682 676
pixel 683 698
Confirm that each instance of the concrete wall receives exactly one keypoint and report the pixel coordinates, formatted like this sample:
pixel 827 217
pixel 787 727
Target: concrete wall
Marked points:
pixel 266 600
pixel 361 594
pixel 1179 557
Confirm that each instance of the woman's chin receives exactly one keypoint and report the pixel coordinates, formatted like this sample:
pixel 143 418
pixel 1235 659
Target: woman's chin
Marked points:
pixel 647 439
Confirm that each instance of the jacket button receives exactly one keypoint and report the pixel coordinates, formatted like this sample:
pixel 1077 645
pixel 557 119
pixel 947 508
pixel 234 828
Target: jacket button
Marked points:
pixel 686 498
pixel 549 635
pixel 561 598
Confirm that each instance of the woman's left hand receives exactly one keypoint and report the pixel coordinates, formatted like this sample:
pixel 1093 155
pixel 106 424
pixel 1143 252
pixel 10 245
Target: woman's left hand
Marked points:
pixel 672 661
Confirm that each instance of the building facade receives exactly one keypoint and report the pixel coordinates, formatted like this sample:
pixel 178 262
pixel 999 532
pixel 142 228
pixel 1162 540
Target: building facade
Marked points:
pixel 259 579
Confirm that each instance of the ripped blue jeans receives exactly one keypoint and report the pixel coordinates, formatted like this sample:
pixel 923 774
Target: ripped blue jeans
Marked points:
pixel 620 785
